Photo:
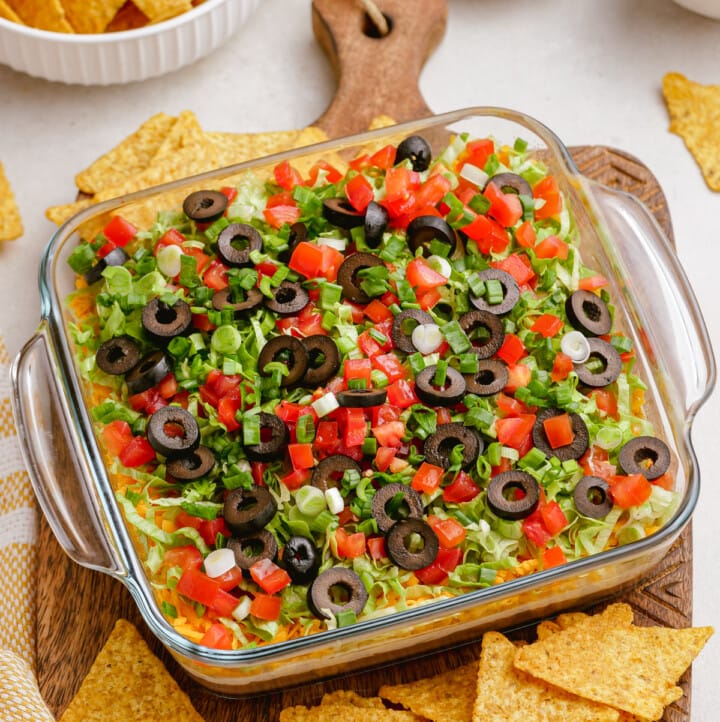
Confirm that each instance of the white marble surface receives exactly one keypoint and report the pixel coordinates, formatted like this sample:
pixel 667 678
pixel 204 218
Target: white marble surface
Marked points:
pixel 592 71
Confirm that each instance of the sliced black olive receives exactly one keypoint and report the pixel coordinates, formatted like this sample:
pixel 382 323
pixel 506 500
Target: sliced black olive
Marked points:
pixel 645 455
pixel 488 345
pixel 301 559
pixel 362 398
pixel 192 466
pixel 116 257
pixel 423 230
pixel 330 470
pixel 587 312
pixel 490 378
pixel 511 292
pixel 449 394
pixel 235 243
pixel 385 494
pixel 274 447
pixel 340 213
pixel 592 498
pixel 347 275
pixel 173 431
pixel 117 355
pixel 253 547
pixel 163 322
pixel 510 183
pixel 323 359
pixel 605 354
pixel 288 299
pixel 298 234
pixel 439 446
pixel 205 206
pixel 504 485
pixel 396 542
pixel 223 299
pixel 247 511
pixel 336 590
pixel 376 221
pixel 150 370
pixel 402 339
pixel 288 350
pixel 417 149
pixel 573 450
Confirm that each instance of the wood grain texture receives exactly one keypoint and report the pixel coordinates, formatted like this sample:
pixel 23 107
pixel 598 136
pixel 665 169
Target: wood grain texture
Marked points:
pixel 77 608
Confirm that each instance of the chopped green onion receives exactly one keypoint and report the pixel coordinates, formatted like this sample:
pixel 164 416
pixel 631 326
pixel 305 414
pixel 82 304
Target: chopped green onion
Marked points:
pixel 469 363
pixel 477 285
pixel 494 292
pixel 456 337
pixel 305 429
pixel 494 453
pixel 381 338
pixel 440 373
pixel 330 294
pixel 310 500
pixel 251 429
pixel 609 437
pixel 479 203
pixel 357 384
pixel 226 339
pixel 346 618
pixel 369 446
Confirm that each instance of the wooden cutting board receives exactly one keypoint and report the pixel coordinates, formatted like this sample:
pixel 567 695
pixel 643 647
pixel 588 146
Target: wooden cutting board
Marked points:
pixel 77 607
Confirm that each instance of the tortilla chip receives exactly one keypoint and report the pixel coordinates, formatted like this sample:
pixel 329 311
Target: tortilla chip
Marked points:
pixel 381 121
pixel 345 713
pixel 128 682
pixel 347 697
pixel 128 17
pixel 129 157
pixel 158 10
pixel 42 14
pixel 10 222
pixel 631 668
pixel 238 147
pixel 91 16
pixel 570 619
pixel 186 131
pixel 695 116
pixel 547 628
pixel 506 695
pixel 446 697
pixel 9 14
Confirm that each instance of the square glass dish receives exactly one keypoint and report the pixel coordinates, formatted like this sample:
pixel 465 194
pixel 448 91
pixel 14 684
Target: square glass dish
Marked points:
pixel 654 306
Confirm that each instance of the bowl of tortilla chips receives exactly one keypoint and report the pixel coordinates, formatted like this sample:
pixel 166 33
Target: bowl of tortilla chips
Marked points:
pixel 103 42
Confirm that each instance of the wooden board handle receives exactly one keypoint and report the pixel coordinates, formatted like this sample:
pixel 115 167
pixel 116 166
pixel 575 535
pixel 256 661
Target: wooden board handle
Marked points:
pixel 376 75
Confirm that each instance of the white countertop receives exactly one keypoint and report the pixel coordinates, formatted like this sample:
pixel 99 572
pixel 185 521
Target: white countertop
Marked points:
pixel 592 71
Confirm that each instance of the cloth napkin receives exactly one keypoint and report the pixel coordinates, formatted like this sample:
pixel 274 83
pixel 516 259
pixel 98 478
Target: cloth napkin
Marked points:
pixel 20 699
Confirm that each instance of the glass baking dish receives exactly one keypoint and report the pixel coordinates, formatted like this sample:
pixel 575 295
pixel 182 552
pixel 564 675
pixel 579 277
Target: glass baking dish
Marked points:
pixel 654 305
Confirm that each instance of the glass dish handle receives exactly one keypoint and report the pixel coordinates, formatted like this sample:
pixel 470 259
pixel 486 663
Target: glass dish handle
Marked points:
pixel 57 466
pixel 669 320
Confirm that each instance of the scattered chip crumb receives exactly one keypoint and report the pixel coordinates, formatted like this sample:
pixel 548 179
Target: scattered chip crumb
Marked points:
pixel 10 222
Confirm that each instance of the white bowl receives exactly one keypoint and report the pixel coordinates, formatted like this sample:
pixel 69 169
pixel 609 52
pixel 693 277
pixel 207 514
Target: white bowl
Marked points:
pixel 708 8
pixel 122 57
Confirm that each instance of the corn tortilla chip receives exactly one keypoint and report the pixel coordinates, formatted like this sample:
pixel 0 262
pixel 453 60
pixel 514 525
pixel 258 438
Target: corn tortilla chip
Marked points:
pixel 9 14
pixel 91 16
pixel 128 158
pixel 695 116
pixel 381 121
pixel 158 10
pixel 345 713
pixel 10 222
pixel 42 14
pixel 570 619
pixel 446 697
pixel 634 669
pixel 546 628
pixel 128 682
pixel 238 147
pixel 352 699
pixel 506 695
pixel 186 131
pixel 128 17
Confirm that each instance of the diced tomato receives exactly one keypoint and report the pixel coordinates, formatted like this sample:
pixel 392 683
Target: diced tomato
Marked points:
pixel 116 436
pixel 376 548
pixel 432 191
pixel 553 517
pixel 307 259
pixel 368 345
pixel 171 237
pixel 552 247
pixel 389 298
pixel 509 406
pixel 535 530
pixel 519 375
pixel 548 190
pixel 137 452
pixel 505 208
pixel 295 479
pixel 326 436
pixel 595 463
pixel 215 275
pixel 217 637
pixel 477 153
pixel 355 427
pixel 402 394
pixel 105 249
pixel 422 277
pixel 230 579
pixel 450 532
pixel 230 193
pixel 202 322
pixel 269 576
pixel 427 478
pixel 558 430
pixel 463 488
pixel 525 235
pixel 665 481
pixel 185 557
pixel 518 266
pixel 397 465
pixel 512 349
pixel 332 174
pixel 592 283
pixel 257 469
pixel 301 456
pixel 359 192
pixel 427 300
pixel 504 465
pixel 445 562
pixel 286 176
pixel 148 401
pixel 489 235
pixel 398 186
pixel 390 365
pixel 384 158
pixel 553 557
pixel 562 366
pixel 377 311
pixel 360 163
pixel 384 413
pixel 606 402
pixel 266 268
pixel 167 388
pixel 201 259
pixel 210 528
pixel 513 430
pixel 547 325
pixel 384 457
pixel 266 607
pixel 278 215
pixel 631 490
pixel 349 546
pixel 389 434
pixel 288 411
pixel 227 408
pixel 119 231
pixel 443 416
pixel 358 369
pixel 199 587
pixel 184 519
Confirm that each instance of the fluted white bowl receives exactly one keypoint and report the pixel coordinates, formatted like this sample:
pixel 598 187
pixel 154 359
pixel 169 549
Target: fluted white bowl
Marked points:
pixel 122 57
